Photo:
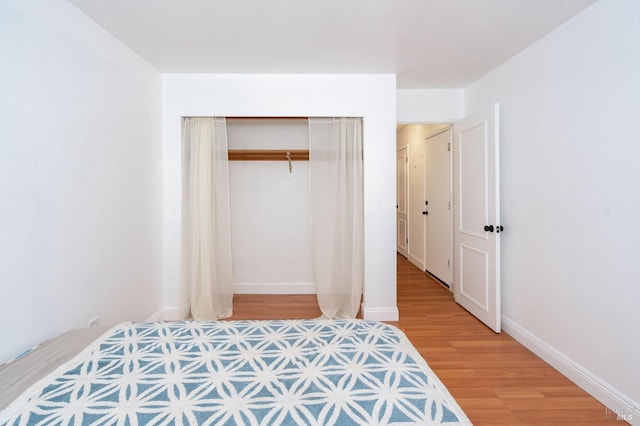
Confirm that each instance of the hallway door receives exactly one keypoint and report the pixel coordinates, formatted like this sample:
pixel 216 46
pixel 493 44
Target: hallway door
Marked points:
pixel 437 156
pixel 476 161
pixel 401 199
pixel 416 213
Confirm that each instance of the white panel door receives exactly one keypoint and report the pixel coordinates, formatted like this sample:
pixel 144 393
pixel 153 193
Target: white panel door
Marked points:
pixel 438 196
pixel 401 199
pixel 416 213
pixel 476 275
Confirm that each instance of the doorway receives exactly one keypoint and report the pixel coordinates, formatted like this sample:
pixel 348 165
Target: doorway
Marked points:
pixel 424 197
pixel 472 160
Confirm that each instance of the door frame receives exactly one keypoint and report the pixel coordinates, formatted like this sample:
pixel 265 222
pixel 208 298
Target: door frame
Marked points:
pixel 419 137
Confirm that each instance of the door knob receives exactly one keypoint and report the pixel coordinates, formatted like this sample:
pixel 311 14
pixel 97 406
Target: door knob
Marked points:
pixel 488 228
pixel 425 212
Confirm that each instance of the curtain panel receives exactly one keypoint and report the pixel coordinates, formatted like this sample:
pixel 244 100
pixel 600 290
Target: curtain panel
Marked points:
pixel 336 205
pixel 206 230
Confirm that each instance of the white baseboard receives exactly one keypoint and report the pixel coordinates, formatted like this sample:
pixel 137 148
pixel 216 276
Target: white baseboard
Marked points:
pixel 158 316
pixel 621 405
pixel 381 313
pixel 416 262
pixel 274 288
pixel 176 313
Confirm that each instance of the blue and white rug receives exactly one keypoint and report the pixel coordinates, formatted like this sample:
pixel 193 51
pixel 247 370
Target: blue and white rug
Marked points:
pixel 303 372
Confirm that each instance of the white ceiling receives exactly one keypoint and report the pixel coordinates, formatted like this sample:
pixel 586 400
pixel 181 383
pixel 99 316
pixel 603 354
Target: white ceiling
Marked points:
pixel 427 43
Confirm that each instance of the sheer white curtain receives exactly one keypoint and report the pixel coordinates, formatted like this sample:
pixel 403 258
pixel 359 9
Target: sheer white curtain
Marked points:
pixel 206 248
pixel 336 203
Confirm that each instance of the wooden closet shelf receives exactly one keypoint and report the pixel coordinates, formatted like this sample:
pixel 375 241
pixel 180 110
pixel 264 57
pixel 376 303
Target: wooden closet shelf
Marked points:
pixel 268 155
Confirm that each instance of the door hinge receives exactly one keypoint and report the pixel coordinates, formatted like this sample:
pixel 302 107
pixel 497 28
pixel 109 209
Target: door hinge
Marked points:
pixel 449 204
pixel 449 146
pixel 448 263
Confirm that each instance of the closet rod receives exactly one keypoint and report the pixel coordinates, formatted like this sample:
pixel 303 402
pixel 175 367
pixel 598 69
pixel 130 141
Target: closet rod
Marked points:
pixel 231 117
pixel 268 155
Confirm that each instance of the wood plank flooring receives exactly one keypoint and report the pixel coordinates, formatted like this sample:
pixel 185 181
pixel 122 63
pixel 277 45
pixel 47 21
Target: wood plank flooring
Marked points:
pixel 495 380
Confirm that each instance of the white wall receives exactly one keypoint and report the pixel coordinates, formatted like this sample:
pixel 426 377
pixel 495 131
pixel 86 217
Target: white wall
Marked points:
pixel 270 230
pixel 80 176
pixel 429 105
pixel 370 96
pixel 570 206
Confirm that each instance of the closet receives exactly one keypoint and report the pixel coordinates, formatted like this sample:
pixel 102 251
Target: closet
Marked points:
pixel 269 205
pixel 249 218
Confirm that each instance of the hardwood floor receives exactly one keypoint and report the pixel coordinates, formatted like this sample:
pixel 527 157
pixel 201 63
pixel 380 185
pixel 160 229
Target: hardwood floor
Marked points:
pixel 275 306
pixel 495 380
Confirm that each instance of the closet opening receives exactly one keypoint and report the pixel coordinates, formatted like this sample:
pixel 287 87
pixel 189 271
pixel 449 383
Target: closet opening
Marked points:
pixel 253 223
pixel 269 205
